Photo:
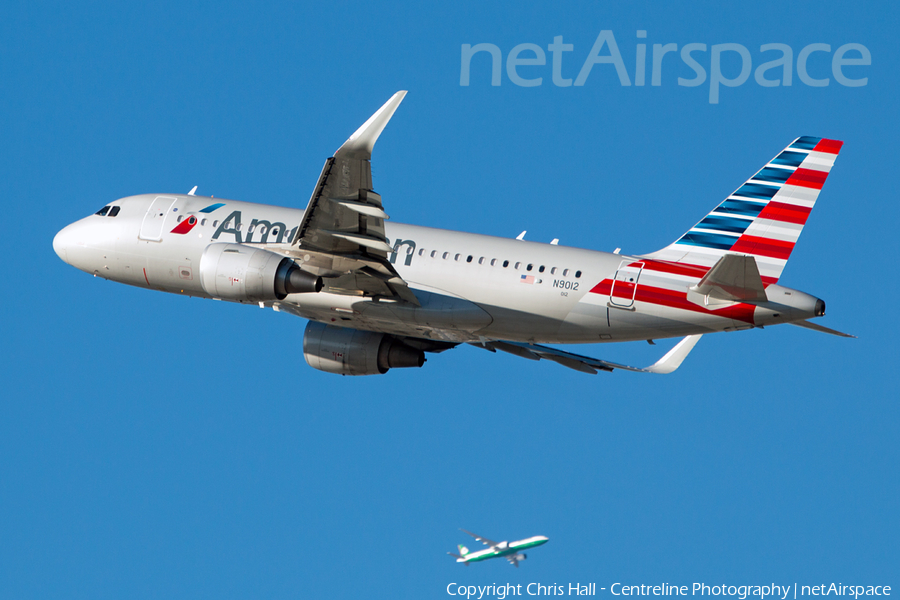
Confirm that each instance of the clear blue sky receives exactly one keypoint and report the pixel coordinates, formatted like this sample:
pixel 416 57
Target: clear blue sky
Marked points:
pixel 157 446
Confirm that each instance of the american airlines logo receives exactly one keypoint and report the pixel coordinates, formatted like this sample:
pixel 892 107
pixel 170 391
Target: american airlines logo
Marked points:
pixel 259 230
pixel 191 221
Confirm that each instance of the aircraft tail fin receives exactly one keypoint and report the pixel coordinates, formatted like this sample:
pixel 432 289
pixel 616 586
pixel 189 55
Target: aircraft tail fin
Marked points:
pixel 764 217
pixel 461 557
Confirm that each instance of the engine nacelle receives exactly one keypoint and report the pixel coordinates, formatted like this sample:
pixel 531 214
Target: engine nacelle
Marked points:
pixel 521 556
pixel 238 272
pixel 355 352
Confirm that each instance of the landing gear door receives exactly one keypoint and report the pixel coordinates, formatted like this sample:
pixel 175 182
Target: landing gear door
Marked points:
pixel 154 220
pixel 625 284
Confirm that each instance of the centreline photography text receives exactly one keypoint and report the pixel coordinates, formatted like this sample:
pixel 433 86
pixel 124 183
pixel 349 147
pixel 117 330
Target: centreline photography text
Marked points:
pixel 499 591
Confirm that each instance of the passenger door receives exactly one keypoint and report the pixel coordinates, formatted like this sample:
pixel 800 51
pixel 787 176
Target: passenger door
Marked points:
pixel 155 218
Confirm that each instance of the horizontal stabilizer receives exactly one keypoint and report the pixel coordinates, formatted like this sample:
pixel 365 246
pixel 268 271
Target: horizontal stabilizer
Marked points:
pixel 734 278
pixel 817 327
pixel 668 363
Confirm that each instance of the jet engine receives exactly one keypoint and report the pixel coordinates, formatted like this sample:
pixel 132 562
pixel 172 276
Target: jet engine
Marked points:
pixel 246 274
pixel 521 556
pixel 354 352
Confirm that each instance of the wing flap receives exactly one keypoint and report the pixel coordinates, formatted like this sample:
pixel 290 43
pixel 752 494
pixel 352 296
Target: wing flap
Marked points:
pixel 362 240
pixel 363 208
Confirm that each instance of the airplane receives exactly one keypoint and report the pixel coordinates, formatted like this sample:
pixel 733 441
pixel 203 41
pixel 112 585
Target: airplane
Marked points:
pixel 507 550
pixel 379 295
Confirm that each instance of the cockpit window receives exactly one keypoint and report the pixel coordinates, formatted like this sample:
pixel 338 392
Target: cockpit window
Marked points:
pixel 114 211
pixel 102 212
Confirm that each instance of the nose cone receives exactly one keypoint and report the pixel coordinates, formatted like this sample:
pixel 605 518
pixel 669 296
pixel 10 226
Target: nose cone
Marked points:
pixel 62 241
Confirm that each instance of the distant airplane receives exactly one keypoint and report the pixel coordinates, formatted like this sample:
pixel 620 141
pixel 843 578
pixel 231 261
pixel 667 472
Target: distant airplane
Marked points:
pixel 508 550
pixel 379 295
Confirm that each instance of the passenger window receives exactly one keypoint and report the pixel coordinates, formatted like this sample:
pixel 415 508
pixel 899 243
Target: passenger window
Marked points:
pixel 518 264
pixel 529 267
pixel 203 224
pixel 446 254
pixel 469 259
pixel 216 223
pixel 457 257
pixel 553 271
pixel 422 252
pixel 565 272
pixel 250 229
pixel 541 269
pixel 102 212
pixel 433 253
pixel 114 211
pixel 577 274
pixel 239 226
pixel 493 261
pixel 274 229
pixel 505 263
pixel 179 219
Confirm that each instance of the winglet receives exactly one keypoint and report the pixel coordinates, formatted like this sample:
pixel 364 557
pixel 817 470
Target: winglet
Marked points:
pixel 674 357
pixel 668 363
pixel 360 144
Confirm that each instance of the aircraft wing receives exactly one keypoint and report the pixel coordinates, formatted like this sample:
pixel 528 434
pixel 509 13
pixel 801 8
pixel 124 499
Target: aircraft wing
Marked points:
pixel 341 236
pixel 668 363
pixel 483 540
pixel 512 560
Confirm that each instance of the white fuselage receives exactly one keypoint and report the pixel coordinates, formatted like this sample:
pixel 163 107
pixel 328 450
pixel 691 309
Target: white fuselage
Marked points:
pixel 470 286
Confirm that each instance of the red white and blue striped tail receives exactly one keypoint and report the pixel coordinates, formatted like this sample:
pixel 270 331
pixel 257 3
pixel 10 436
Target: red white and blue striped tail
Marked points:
pixel 764 217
